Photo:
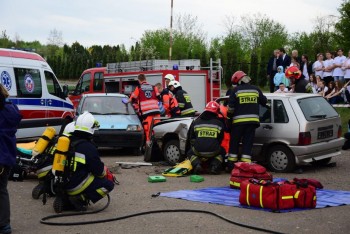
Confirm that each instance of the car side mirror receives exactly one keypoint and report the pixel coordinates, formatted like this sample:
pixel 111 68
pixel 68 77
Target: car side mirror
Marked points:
pixel 65 91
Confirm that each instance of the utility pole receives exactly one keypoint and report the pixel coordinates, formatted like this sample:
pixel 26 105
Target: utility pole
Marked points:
pixel 171 31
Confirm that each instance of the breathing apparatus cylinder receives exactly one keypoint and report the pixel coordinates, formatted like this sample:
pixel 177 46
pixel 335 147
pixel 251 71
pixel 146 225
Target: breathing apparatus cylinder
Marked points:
pixel 60 157
pixel 43 141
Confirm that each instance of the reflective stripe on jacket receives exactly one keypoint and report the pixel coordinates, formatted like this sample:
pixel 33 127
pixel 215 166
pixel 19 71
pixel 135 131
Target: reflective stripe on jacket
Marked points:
pixel 147 94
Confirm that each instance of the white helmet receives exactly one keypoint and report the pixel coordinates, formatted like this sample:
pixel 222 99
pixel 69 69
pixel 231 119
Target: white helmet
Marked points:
pixel 169 77
pixel 69 129
pixel 174 83
pixel 86 123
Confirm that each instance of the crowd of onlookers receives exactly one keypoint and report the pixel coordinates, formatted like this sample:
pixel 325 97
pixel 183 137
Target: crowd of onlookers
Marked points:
pixel 329 77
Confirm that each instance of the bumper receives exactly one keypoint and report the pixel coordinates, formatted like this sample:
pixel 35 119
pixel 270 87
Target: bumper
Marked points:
pixel 119 138
pixel 309 153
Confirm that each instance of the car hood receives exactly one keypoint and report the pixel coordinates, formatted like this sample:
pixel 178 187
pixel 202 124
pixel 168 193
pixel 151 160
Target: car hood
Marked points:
pixel 116 121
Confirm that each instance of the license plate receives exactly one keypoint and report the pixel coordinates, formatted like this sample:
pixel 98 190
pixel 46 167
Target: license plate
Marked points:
pixel 324 134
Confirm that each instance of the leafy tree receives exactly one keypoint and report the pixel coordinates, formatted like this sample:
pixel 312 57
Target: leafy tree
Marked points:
pixel 343 25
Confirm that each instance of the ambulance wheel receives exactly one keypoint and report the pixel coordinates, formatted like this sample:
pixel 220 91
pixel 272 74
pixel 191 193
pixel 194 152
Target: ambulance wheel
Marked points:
pixel 280 159
pixel 171 152
pixel 58 205
pixel 37 191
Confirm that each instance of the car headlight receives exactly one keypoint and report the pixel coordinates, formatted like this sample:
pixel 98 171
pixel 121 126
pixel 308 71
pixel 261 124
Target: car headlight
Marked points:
pixel 135 128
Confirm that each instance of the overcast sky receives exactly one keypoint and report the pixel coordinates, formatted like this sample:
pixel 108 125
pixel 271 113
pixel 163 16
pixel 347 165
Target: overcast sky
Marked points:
pixel 113 22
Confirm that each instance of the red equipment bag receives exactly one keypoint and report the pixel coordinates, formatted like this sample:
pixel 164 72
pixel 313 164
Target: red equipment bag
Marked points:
pixel 244 171
pixel 305 196
pixel 268 195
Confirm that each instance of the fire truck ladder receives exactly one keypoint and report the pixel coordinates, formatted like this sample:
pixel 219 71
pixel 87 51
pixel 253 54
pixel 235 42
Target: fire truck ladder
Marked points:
pixel 215 75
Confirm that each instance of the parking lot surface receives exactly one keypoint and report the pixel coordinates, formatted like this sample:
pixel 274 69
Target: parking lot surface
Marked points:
pixel 134 194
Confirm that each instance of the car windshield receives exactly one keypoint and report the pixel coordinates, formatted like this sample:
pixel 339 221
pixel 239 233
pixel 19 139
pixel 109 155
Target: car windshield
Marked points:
pixel 316 108
pixel 107 105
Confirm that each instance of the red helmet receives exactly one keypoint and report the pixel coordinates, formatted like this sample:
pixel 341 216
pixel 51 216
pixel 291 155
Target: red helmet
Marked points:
pixel 212 106
pixel 293 72
pixel 237 76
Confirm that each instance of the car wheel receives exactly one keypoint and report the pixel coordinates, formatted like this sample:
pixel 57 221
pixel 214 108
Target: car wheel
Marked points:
pixel 322 162
pixel 37 191
pixel 280 159
pixel 171 152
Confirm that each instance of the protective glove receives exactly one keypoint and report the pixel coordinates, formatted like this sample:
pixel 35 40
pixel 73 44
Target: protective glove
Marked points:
pixel 109 176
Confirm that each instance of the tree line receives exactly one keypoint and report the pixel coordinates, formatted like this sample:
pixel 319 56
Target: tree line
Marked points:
pixel 246 44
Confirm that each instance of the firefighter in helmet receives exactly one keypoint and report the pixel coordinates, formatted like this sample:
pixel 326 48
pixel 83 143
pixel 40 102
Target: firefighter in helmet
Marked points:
pixel 147 97
pixel 206 134
pixel 168 78
pixel 243 117
pixel 182 98
pixel 88 180
pixel 300 84
pixel 170 103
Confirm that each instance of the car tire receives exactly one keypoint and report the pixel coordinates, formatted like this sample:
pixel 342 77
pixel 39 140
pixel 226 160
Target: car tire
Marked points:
pixel 37 191
pixel 322 162
pixel 280 159
pixel 172 153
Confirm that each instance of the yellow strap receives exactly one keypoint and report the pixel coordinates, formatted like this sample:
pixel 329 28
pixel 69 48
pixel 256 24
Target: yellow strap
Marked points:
pixel 314 198
pixel 261 200
pixel 296 195
pixel 236 184
pixel 248 194
pixel 287 197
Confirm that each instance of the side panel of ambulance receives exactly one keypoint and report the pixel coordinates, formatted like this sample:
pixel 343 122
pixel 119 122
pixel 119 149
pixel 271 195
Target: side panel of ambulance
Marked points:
pixel 33 86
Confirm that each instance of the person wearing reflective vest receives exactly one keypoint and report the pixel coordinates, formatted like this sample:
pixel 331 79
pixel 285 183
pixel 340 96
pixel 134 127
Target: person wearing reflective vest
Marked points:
pixel 169 102
pixel 88 180
pixel 243 116
pixel 182 98
pixel 206 134
pixel 148 97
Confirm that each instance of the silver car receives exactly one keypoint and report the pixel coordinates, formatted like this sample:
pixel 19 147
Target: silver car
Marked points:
pixel 296 129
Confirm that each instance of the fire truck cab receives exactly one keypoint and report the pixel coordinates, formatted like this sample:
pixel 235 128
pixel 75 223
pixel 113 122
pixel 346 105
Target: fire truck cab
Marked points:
pixel 203 84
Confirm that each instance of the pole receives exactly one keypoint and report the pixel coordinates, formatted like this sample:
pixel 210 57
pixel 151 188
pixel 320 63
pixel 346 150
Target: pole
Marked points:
pixel 171 31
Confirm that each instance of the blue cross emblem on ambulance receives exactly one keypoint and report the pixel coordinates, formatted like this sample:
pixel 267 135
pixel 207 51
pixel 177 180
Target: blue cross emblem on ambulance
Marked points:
pixel 6 80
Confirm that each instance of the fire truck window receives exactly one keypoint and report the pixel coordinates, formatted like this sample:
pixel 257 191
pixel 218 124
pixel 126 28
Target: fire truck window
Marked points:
pixel 28 82
pixel 53 86
pixel 98 81
pixel 84 84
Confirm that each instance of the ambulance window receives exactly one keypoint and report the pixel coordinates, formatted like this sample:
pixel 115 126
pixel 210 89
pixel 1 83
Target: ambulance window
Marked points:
pixel 53 86
pixel 98 81
pixel 28 82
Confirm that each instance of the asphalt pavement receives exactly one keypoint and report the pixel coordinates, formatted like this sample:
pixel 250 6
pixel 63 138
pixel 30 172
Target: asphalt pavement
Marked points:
pixel 134 194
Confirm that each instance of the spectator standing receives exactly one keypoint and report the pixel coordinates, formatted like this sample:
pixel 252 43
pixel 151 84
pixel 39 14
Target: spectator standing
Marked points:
pixel 338 73
pixel 318 66
pixel 9 121
pixel 295 54
pixel 328 68
pixel 346 68
pixel 272 65
pixel 284 58
pixel 279 77
pixel 294 62
pixel 305 67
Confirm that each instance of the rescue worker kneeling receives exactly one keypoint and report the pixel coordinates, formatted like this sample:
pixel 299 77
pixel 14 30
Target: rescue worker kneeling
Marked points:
pixel 206 134
pixel 88 180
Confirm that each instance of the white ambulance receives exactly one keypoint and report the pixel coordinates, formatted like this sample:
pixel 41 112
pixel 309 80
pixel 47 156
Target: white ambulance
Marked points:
pixel 34 88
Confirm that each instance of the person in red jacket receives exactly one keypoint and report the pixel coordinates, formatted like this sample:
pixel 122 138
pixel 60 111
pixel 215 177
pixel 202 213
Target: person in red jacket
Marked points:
pixel 148 97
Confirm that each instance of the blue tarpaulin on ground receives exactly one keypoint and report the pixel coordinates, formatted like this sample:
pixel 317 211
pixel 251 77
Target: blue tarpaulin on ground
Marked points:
pixel 230 197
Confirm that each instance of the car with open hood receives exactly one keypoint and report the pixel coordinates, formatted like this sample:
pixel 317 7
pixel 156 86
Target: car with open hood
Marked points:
pixel 295 129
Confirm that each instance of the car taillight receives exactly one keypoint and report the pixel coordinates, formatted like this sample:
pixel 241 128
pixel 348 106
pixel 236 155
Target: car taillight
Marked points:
pixel 304 138
pixel 339 132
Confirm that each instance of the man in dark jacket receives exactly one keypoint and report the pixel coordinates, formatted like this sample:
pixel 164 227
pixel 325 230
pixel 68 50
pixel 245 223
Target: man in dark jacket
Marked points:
pixel 183 99
pixel 285 59
pixel 9 121
pixel 206 134
pixel 272 66
pixel 243 116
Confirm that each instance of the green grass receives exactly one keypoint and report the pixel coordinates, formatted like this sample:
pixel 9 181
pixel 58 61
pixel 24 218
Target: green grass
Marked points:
pixel 345 116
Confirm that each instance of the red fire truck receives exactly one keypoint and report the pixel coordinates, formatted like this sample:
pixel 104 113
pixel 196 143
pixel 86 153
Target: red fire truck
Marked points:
pixel 203 84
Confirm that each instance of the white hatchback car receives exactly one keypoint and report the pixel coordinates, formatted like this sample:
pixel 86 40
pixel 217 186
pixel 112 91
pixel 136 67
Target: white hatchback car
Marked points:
pixel 297 129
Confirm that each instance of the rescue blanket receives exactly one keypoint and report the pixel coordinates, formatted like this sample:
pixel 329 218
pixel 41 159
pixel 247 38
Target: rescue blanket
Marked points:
pixel 230 197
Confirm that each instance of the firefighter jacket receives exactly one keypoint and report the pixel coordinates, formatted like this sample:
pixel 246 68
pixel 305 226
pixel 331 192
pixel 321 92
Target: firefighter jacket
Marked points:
pixel 84 166
pixel 184 101
pixel 170 103
pixel 243 105
pixel 206 134
pixel 147 96
pixel 9 121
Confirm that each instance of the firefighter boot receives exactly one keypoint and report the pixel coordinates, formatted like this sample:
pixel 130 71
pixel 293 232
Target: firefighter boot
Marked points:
pixel 215 165
pixel 196 165
pixel 79 202
pixel 231 160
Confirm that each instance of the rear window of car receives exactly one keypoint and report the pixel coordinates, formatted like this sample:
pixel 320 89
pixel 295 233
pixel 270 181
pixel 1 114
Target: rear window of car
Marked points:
pixel 316 108
pixel 106 105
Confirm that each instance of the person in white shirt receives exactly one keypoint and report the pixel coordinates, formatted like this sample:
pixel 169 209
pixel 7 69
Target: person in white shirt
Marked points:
pixel 346 68
pixel 318 66
pixel 282 89
pixel 338 73
pixel 322 89
pixel 328 68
